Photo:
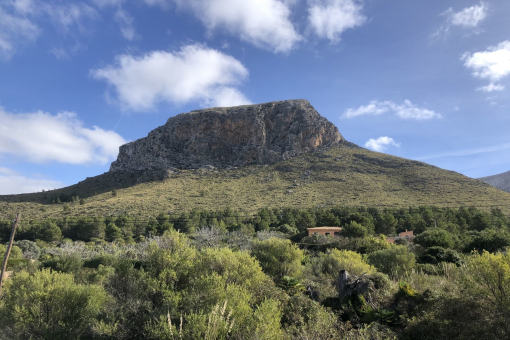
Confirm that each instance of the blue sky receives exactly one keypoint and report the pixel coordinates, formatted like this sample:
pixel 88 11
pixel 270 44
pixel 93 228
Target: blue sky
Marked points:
pixel 425 80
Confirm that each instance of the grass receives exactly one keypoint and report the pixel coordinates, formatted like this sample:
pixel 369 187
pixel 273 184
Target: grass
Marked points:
pixel 343 175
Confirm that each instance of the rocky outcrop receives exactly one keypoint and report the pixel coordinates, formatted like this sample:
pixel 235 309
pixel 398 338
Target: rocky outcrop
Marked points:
pixel 230 137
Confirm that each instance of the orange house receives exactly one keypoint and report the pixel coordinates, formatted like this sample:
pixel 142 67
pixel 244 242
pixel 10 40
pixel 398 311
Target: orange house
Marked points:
pixel 408 235
pixel 327 231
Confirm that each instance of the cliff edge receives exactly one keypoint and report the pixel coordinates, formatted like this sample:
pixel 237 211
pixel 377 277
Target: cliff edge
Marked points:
pixel 230 137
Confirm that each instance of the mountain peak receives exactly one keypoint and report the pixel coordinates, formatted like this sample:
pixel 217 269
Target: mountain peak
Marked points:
pixel 230 136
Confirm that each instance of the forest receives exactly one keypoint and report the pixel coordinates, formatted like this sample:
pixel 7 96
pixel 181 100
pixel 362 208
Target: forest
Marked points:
pixel 232 275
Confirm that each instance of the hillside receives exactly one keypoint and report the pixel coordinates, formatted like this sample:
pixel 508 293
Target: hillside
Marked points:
pixel 500 181
pixel 343 174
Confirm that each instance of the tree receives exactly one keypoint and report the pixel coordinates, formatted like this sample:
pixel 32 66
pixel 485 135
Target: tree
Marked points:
pixel 491 240
pixel 112 232
pixel 49 305
pixel 354 229
pixel 49 232
pixel 435 238
pixel 386 224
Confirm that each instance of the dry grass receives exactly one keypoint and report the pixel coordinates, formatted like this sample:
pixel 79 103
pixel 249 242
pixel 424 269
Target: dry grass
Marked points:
pixel 340 176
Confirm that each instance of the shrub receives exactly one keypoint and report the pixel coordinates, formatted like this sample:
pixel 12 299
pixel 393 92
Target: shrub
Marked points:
pixel 392 261
pixel 435 238
pixel 278 257
pixel 49 305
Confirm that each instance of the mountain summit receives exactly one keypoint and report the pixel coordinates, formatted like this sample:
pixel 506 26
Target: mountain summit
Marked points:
pixel 230 137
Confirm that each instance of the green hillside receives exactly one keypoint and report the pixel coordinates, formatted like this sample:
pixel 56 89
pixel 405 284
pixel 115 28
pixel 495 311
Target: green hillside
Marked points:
pixel 343 175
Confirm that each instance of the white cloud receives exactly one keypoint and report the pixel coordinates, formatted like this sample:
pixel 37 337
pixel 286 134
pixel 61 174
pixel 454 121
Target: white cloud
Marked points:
pixel 263 23
pixel 125 21
pixel 195 73
pixel 493 64
pixel 69 14
pixel 122 17
pixel 406 110
pixel 12 182
pixel 491 87
pixel 469 17
pixel 380 144
pixel 41 137
pixel 329 18
pixel 15 30
pixel 18 19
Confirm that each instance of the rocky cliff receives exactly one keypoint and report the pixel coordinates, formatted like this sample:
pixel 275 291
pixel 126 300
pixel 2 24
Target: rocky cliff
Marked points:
pixel 230 137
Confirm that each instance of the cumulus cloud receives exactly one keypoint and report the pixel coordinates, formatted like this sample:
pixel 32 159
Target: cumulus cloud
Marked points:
pixel 263 23
pixel 328 19
pixel 406 110
pixel 380 144
pixel 18 21
pixel 194 73
pixel 41 137
pixel 12 182
pixel 491 87
pixel 493 64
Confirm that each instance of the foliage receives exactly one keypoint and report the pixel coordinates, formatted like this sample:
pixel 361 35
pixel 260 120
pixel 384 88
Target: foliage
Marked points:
pixel 489 277
pixel 393 261
pixel 331 262
pixel 354 229
pixel 30 249
pixel 435 238
pixel 278 257
pixel 50 306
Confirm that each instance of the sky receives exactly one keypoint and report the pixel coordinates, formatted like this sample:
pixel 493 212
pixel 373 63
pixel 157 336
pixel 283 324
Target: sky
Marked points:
pixel 424 80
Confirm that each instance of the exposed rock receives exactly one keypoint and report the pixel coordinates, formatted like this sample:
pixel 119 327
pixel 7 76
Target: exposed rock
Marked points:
pixel 230 137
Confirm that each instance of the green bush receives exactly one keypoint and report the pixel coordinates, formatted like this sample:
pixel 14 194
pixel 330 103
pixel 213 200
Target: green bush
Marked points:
pixel 393 261
pixel 49 305
pixel 278 257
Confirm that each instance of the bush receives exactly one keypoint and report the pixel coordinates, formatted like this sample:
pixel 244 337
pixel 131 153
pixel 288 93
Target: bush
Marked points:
pixel 435 255
pixel 278 257
pixel 335 260
pixel 49 305
pixel 491 240
pixel 30 249
pixel 435 238
pixel 392 261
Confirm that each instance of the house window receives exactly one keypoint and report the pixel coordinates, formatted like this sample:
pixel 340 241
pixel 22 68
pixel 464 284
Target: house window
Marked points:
pixel 337 233
pixel 315 233
pixel 327 234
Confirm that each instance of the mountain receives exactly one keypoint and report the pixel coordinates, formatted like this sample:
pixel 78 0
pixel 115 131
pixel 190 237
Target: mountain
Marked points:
pixel 230 137
pixel 280 154
pixel 500 181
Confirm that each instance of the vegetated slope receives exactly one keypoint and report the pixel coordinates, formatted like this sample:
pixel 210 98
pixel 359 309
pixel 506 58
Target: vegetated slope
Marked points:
pixel 341 175
pixel 500 181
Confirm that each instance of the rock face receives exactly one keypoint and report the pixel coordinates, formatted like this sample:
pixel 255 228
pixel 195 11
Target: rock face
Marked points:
pixel 230 137
pixel 500 181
